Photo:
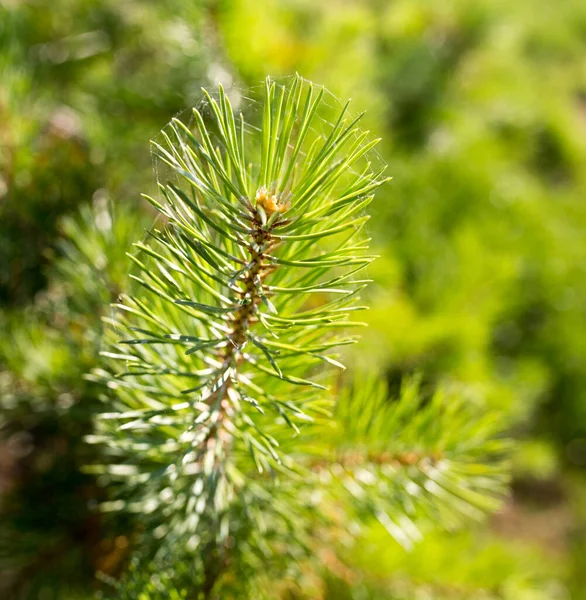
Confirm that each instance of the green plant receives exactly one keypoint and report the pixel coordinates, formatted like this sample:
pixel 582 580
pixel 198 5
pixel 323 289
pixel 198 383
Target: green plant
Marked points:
pixel 226 428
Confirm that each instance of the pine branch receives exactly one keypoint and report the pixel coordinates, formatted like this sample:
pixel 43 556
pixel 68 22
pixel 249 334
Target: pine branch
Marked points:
pixel 412 463
pixel 239 300
pixel 220 430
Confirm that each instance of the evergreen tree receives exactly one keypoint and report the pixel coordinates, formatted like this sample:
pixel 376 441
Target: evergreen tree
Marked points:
pixel 247 458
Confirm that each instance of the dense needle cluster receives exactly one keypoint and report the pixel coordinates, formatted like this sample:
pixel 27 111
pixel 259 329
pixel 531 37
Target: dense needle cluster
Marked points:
pixel 242 295
pixel 221 430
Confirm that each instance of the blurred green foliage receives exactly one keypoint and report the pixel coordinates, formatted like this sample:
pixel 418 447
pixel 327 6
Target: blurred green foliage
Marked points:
pixel 481 280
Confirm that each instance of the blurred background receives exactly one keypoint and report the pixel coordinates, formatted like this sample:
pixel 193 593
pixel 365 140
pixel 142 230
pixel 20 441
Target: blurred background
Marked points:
pixel 481 281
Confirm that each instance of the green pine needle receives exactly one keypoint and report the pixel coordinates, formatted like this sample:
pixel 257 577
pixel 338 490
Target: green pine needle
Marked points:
pixel 222 349
pixel 221 429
